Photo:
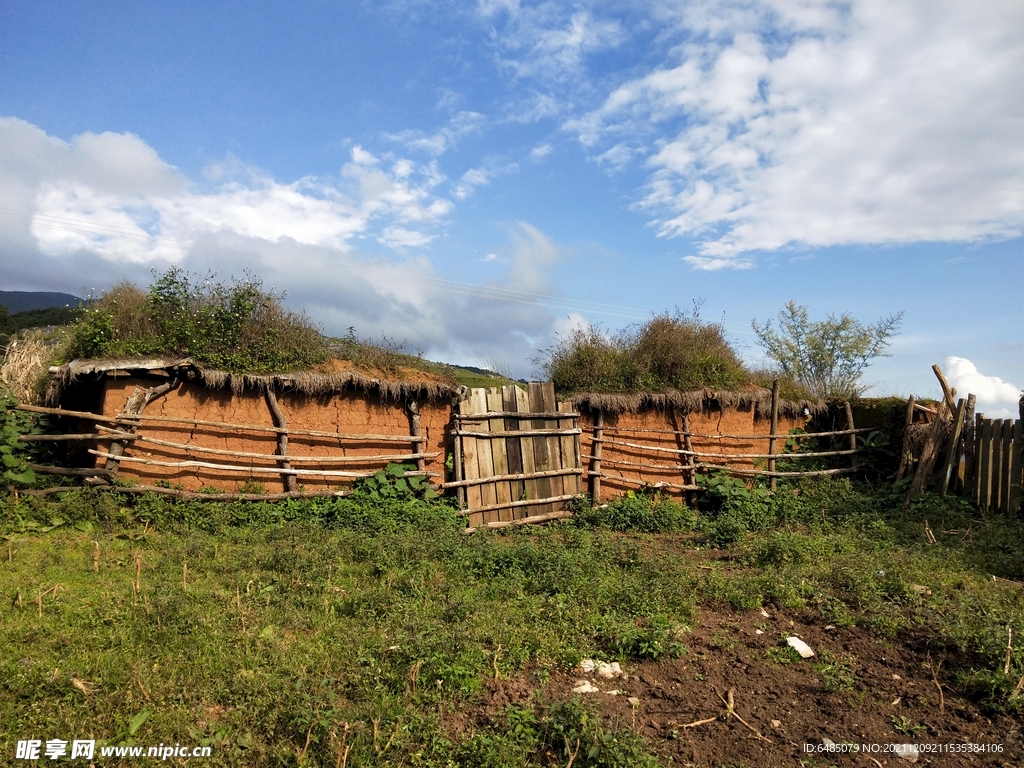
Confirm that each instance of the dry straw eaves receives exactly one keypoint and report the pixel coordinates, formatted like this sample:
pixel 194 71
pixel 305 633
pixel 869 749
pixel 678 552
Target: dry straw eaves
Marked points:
pixel 692 402
pixel 311 383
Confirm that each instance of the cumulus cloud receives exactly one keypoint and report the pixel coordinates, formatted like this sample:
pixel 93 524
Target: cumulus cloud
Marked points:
pixel 80 215
pixel 997 399
pixel 779 124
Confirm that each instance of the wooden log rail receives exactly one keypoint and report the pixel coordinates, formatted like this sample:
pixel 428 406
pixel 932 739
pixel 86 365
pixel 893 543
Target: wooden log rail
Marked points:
pixel 367 459
pixel 246 469
pixel 521 521
pixel 487 416
pixel 368 438
pixel 517 433
pixel 519 504
pixel 702 454
pixel 765 436
pixel 516 476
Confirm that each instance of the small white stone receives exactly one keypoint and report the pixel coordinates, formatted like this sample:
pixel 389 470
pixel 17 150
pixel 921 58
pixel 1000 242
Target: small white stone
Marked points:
pixel 634 701
pixel 608 671
pixel 828 742
pixel 588 665
pixel 765 613
pixel 800 647
pixel 758 632
pixel 585 686
pixel 616 692
pixel 906 752
pixel 776 723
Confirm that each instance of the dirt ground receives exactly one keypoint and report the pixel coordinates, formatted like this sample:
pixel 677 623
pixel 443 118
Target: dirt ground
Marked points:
pixel 787 711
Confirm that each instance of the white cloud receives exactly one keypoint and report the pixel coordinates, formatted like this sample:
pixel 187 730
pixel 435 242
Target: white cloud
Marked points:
pixel 84 214
pixel 997 399
pixel 439 142
pixel 713 264
pixel 397 237
pixel 539 41
pixel 110 194
pixel 474 177
pixel 779 124
pixel 540 151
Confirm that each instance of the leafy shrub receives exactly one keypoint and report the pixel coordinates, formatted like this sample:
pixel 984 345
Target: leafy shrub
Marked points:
pixel 237 327
pixel 637 512
pixel 670 351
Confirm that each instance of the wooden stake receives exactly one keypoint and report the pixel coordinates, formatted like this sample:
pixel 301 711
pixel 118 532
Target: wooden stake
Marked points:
pixel 905 458
pixel 1009 649
pixel 413 408
pixel 282 438
pixel 95 557
pixel 947 393
pixel 691 496
pixel 853 437
pixel 184 576
pixel 595 458
pixel 138 572
pixel 775 429
pixel 953 447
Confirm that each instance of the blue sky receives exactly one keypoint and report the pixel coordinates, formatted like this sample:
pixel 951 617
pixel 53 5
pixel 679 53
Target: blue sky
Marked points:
pixel 475 178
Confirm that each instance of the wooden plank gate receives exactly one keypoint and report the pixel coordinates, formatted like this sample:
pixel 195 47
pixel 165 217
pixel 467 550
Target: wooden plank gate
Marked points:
pixel 516 455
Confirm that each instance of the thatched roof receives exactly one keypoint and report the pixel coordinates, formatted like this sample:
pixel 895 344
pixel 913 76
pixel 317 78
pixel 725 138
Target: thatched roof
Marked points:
pixel 311 383
pixel 690 402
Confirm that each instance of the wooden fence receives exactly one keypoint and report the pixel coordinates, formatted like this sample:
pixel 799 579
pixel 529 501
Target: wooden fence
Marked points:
pixel 126 442
pixel 996 481
pixel 516 455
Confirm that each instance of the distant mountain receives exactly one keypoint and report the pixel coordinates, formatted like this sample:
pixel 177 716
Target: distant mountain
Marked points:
pixel 21 301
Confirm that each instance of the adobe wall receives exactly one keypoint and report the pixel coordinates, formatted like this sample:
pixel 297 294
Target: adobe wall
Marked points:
pixel 347 413
pixel 731 421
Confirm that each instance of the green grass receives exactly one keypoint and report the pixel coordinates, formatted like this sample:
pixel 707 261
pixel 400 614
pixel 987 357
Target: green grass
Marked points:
pixel 309 628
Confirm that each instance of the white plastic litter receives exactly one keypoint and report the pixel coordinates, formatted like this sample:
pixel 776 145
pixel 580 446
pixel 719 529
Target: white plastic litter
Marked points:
pixel 800 647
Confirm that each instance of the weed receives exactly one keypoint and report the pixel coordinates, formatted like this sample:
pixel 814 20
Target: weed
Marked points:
pixel 836 673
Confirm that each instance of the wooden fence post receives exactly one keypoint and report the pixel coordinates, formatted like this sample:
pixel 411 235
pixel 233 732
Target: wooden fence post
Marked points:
pixel 1017 465
pixel 416 431
pixel 928 456
pixel 1005 464
pixel 965 484
pixel 984 483
pixel 905 457
pixel 282 438
pixel 854 464
pixel 595 458
pixel 691 457
pixel 774 429
pixel 952 451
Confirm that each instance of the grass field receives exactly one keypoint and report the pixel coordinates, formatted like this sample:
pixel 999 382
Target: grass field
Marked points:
pixel 364 632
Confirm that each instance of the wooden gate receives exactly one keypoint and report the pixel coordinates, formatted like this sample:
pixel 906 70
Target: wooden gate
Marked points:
pixel 516 455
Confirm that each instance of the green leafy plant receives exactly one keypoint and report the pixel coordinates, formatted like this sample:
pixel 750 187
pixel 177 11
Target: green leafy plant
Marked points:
pixel 826 356
pixel 15 455
pixel 392 483
pixel 239 326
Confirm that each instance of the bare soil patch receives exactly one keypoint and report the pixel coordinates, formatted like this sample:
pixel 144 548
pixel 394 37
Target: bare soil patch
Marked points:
pixel 893 699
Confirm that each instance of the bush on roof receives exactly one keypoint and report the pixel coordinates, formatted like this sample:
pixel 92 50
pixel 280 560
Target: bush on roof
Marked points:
pixel 239 326
pixel 669 351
